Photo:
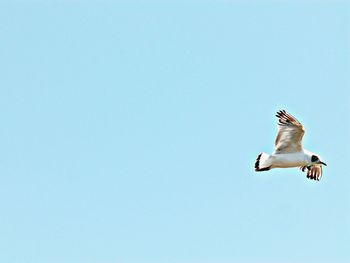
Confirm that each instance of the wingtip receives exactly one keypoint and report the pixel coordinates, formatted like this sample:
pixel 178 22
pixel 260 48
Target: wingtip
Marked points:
pixel 257 162
pixel 313 174
pixel 280 113
pixel 257 165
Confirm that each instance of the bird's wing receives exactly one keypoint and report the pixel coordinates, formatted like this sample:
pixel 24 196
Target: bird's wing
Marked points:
pixel 289 135
pixel 314 172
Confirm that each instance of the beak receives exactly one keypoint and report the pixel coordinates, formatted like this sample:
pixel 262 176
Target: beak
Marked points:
pixel 322 163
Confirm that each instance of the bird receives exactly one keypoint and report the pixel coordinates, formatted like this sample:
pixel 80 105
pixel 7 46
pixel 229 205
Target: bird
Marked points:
pixel 289 151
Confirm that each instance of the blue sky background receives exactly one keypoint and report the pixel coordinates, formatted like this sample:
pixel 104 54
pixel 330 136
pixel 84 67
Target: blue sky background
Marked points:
pixel 129 131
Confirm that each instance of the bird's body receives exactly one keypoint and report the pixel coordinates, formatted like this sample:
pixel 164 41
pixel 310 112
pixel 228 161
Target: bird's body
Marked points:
pixel 289 160
pixel 289 151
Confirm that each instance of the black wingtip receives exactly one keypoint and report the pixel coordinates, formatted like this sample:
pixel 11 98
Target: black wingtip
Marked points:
pixel 257 165
pixel 257 162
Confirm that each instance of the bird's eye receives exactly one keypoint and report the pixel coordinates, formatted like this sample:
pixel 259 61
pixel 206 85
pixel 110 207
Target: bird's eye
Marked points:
pixel 314 158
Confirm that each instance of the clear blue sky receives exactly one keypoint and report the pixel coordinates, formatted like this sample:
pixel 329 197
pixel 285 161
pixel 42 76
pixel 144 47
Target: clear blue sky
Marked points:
pixel 129 131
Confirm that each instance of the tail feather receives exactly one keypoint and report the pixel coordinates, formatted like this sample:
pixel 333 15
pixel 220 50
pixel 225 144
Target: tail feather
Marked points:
pixel 262 163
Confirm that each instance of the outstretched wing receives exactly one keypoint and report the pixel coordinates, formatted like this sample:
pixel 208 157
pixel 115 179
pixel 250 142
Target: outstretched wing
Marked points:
pixel 289 135
pixel 314 172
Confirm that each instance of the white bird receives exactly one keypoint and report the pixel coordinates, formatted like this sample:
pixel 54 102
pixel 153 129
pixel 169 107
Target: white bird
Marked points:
pixel 289 151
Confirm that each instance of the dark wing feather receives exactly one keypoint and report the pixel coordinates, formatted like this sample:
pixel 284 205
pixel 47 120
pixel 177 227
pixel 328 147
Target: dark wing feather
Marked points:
pixel 290 133
pixel 313 172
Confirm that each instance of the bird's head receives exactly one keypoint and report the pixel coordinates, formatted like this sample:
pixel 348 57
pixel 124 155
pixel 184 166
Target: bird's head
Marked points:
pixel 316 160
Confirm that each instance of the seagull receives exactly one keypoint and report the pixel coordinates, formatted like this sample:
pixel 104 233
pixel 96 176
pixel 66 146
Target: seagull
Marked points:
pixel 289 151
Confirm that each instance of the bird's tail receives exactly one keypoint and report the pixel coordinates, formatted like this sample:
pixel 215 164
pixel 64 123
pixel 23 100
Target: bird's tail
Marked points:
pixel 262 162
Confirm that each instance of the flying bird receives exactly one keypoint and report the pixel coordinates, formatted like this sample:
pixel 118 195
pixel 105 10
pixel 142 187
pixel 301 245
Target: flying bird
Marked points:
pixel 289 151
